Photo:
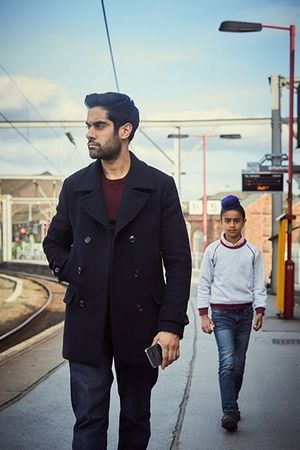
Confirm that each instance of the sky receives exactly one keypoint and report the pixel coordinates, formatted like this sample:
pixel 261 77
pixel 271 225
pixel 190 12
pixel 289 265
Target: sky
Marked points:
pixel 169 57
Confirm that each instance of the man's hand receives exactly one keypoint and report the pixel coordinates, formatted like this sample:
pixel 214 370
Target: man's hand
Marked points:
pixel 258 322
pixel 169 343
pixel 207 324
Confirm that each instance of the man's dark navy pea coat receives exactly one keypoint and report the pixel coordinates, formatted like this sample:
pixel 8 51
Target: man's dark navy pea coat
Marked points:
pixel 137 277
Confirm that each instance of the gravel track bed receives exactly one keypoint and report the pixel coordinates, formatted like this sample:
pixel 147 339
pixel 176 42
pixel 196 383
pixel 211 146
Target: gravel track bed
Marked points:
pixel 6 289
pixel 32 298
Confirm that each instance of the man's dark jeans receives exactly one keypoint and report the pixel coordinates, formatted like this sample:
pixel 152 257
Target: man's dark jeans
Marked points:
pixel 232 332
pixel 90 395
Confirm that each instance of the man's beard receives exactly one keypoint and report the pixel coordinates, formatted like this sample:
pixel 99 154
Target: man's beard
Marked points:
pixel 107 152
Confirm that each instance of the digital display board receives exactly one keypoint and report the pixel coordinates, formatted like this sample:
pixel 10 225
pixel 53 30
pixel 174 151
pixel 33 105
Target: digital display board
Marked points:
pixel 262 182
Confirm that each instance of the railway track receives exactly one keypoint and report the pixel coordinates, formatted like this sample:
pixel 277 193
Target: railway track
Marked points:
pixel 49 312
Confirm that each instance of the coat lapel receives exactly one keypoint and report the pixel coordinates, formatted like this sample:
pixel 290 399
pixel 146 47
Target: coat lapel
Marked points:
pixel 139 185
pixel 92 200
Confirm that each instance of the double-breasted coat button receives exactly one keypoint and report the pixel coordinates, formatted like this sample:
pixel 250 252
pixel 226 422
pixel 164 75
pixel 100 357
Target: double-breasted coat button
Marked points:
pixel 82 303
pixel 132 238
pixel 137 273
pixel 56 269
pixel 79 270
pixel 139 307
pixel 87 239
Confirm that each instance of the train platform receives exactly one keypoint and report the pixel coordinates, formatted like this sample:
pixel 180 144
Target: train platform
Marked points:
pixel 186 410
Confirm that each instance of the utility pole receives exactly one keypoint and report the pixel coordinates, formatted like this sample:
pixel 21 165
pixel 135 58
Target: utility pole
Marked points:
pixel 177 162
pixel 275 82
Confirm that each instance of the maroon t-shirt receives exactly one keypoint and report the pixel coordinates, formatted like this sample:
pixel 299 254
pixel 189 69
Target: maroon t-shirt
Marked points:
pixel 112 192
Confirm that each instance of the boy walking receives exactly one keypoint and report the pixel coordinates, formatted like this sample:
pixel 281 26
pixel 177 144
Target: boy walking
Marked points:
pixel 232 284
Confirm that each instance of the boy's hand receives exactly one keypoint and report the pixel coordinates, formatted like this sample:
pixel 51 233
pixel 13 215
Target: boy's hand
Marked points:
pixel 258 322
pixel 207 324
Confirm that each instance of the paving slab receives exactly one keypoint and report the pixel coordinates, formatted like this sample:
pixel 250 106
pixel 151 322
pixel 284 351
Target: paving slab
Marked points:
pixel 270 396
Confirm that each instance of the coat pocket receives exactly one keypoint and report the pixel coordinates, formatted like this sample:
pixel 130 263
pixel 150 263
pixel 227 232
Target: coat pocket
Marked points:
pixel 69 296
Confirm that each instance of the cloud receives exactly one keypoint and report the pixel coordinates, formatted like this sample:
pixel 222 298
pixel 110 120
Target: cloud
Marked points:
pixel 40 148
pixel 49 99
pixel 52 153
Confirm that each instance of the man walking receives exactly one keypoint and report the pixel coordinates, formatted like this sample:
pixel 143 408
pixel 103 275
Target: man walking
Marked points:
pixel 118 225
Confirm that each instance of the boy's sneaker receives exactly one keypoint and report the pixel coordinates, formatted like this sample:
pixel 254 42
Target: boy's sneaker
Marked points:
pixel 230 421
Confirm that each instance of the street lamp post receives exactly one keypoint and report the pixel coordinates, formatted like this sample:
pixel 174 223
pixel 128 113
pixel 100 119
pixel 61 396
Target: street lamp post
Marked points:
pixel 177 158
pixel 241 27
pixel 204 138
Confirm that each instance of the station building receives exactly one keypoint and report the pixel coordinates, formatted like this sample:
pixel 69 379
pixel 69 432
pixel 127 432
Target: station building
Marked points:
pixel 27 204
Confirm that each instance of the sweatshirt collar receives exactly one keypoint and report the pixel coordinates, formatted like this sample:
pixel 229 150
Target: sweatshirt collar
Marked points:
pixel 239 243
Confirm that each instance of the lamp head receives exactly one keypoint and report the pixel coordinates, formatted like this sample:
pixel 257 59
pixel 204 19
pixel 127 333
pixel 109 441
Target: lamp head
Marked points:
pixel 240 27
pixel 178 136
pixel 230 136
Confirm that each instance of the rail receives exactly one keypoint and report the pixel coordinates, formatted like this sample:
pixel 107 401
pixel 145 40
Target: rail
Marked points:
pixel 37 312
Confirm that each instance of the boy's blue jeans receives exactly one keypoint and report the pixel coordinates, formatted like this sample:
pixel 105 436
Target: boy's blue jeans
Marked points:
pixel 232 333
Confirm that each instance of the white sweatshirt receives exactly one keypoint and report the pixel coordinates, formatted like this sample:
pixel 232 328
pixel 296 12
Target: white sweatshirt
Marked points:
pixel 231 275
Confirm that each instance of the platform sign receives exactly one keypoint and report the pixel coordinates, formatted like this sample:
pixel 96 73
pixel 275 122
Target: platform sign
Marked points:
pixel 213 207
pixel 262 182
pixel 195 207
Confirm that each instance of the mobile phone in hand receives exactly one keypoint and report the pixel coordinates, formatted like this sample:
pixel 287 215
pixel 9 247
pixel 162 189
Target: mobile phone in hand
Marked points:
pixel 154 354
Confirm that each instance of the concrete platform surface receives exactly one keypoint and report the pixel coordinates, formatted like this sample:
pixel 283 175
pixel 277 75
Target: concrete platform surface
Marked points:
pixel 186 408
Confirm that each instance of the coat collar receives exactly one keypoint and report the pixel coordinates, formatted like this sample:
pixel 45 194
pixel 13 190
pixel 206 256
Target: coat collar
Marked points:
pixel 139 177
pixel 140 183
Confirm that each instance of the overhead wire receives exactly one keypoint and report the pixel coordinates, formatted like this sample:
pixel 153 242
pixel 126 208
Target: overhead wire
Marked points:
pixel 156 145
pixel 29 142
pixel 110 46
pixel 67 133
pixel 27 99
pixel 117 83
